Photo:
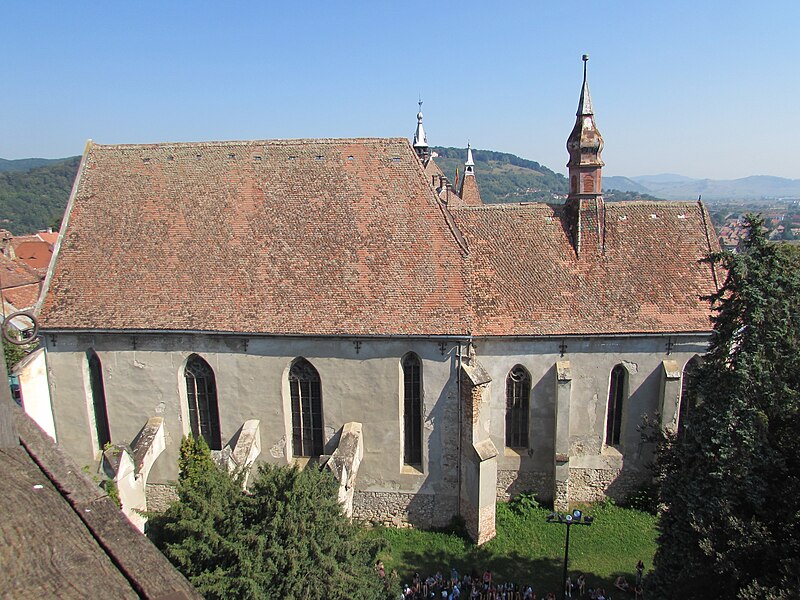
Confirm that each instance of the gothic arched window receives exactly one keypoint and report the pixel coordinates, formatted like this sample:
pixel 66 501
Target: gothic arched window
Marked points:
pixel 201 393
pixel 616 400
pixel 102 430
pixel 412 409
pixel 306 391
pixel 518 392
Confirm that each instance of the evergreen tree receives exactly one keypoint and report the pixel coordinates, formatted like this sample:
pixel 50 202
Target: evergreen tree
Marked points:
pixel 285 538
pixel 730 484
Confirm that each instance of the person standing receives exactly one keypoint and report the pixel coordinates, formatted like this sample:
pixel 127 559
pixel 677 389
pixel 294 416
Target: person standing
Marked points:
pixel 639 572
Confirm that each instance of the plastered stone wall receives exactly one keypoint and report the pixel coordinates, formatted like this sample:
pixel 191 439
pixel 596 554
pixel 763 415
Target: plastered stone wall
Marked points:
pixel 143 377
pixel 362 381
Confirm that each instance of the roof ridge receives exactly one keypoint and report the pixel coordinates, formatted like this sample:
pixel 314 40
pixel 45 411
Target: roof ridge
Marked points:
pixel 227 143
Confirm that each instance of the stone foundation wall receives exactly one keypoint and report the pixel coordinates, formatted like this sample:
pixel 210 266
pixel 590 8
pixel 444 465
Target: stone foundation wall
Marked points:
pixel 399 509
pixel 160 496
pixel 592 485
pixel 511 483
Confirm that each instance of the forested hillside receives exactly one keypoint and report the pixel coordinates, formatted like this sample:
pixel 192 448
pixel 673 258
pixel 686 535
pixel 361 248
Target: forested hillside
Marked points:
pixel 26 164
pixel 504 177
pixel 36 198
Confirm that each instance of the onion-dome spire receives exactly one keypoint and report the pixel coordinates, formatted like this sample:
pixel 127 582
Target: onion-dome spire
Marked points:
pixel 420 139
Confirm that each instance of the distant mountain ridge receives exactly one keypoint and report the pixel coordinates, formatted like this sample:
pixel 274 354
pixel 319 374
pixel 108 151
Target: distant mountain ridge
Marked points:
pixel 26 164
pixel 678 187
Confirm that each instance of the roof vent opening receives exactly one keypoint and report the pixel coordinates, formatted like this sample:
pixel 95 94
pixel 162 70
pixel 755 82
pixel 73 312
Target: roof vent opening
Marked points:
pixel 256 157
pixel 198 156
pixel 319 157
pixel 681 216
pixel 231 155
pixel 170 157
pixel 653 216
pixel 396 159
pixel 146 160
pixel 350 157
pixel 291 157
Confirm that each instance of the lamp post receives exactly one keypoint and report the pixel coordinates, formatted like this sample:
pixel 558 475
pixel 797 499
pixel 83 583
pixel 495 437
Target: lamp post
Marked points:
pixel 575 518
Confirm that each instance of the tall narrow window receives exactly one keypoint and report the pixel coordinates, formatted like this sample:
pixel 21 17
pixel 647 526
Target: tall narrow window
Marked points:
pixel 616 398
pixel 201 393
pixel 688 401
pixel 518 391
pixel 306 390
pixel 102 429
pixel 412 409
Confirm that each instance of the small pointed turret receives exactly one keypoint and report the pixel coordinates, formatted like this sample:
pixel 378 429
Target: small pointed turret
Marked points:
pixel 420 139
pixel 469 166
pixel 468 190
pixel 584 208
pixel 584 146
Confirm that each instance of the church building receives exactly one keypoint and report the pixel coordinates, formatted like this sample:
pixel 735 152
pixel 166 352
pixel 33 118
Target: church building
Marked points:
pixel 295 300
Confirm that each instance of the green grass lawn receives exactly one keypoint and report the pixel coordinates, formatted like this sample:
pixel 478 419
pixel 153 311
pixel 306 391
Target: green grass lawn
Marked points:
pixel 527 549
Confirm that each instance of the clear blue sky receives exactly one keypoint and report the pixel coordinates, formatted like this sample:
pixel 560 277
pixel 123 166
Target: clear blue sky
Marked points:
pixel 701 88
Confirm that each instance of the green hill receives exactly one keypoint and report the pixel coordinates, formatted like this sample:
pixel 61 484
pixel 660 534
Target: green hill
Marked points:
pixel 504 177
pixel 26 164
pixel 35 198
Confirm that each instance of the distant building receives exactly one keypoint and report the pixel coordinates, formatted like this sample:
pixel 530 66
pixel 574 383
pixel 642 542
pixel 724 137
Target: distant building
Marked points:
pixel 301 285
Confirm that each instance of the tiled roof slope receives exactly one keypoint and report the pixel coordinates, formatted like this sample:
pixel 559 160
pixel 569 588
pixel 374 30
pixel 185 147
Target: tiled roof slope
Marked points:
pixel 526 279
pixel 346 237
pixel 288 237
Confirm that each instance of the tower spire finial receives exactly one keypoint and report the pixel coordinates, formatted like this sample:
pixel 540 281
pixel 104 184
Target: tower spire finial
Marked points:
pixel 585 103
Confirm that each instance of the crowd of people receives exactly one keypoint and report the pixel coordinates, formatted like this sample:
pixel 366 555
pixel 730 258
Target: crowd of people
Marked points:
pixel 474 586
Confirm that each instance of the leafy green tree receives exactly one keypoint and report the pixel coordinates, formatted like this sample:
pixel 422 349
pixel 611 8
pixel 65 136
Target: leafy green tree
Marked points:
pixel 730 483
pixel 285 538
pixel 13 353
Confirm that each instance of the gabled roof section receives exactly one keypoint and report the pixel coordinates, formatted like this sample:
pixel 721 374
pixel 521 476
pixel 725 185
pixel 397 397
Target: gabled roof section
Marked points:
pixel 525 278
pixel 330 237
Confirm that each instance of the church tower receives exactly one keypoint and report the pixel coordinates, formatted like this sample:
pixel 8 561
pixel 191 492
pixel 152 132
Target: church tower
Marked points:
pixel 584 207
pixel 420 139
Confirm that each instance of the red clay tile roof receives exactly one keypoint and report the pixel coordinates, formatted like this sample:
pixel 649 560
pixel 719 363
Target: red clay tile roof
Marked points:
pixel 14 273
pixel 290 237
pixel 22 297
pixel 48 236
pixel 526 279
pixel 34 252
pixel 470 195
pixel 346 237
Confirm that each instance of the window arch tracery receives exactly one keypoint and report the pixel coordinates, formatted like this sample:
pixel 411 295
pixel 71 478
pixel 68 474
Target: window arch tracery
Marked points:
pixel 201 395
pixel 518 389
pixel 306 397
pixel 412 409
